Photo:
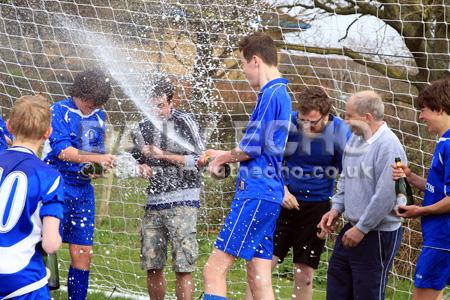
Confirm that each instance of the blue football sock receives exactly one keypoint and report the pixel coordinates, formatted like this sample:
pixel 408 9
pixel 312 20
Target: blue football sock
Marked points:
pixel 77 284
pixel 213 297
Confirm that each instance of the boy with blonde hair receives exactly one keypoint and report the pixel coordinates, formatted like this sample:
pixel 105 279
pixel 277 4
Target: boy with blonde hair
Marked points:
pixel 31 197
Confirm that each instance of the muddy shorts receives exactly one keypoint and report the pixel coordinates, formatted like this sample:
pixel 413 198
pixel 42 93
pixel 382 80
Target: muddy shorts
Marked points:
pixel 176 226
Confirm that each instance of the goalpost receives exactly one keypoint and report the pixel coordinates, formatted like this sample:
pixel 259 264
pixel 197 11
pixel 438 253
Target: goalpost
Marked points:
pixel 345 46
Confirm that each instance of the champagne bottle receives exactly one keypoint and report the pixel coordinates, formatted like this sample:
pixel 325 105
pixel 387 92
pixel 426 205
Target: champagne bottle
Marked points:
pixel 403 189
pixel 51 265
pixel 223 172
pixel 91 168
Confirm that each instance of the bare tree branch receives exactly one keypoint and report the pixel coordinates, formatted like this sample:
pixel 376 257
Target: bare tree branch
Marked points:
pixel 423 25
pixel 355 56
pixel 317 4
pixel 290 6
pixel 348 28
pixel 353 8
pixel 348 10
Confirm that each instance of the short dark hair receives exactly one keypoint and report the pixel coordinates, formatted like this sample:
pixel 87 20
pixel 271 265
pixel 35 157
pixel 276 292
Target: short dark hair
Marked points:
pixel 162 85
pixel 91 85
pixel 436 96
pixel 261 45
pixel 314 98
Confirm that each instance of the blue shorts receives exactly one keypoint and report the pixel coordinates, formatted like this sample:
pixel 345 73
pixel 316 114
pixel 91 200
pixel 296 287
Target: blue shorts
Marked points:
pixel 248 229
pixel 433 269
pixel 79 214
pixel 40 294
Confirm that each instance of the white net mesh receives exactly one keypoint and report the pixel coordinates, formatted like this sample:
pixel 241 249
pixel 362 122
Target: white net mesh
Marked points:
pixel 393 47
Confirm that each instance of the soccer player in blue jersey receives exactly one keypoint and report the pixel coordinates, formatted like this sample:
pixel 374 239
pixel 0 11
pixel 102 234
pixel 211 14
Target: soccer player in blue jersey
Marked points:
pixel 313 158
pixel 5 136
pixel 248 229
pixel 433 266
pixel 78 138
pixel 31 203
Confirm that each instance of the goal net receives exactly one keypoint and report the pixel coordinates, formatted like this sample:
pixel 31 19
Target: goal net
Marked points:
pixel 392 47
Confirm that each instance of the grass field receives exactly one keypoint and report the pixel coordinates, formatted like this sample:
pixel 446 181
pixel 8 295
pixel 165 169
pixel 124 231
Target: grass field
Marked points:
pixel 116 253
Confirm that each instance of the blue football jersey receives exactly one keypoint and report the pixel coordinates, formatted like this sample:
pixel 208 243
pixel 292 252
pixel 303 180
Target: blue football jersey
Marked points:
pixel 264 141
pixel 29 191
pixel 313 162
pixel 4 132
pixel 71 128
pixel 436 228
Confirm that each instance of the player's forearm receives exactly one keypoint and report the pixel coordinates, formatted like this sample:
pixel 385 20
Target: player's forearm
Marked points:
pixel 8 140
pixel 438 208
pixel 72 154
pixel 417 181
pixel 234 156
pixel 51 240
pixel 173 158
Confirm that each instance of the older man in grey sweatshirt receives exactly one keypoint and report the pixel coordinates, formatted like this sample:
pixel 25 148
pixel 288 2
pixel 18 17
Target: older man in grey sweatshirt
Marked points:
pixel 366 246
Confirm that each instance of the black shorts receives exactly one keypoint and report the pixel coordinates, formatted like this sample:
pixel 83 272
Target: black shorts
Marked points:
pixel 298 229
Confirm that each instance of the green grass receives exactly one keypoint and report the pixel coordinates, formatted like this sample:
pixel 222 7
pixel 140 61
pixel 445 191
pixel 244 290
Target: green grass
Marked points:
pixel 117 247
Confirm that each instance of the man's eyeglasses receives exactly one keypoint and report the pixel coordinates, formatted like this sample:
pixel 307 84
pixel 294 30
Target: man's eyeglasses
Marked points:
pixel 310 123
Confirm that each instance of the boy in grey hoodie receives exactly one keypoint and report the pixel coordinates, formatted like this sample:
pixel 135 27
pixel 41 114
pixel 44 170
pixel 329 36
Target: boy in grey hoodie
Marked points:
pixel 366 246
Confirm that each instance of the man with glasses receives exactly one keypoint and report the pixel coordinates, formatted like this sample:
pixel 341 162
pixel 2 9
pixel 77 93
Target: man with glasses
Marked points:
pixel 313 157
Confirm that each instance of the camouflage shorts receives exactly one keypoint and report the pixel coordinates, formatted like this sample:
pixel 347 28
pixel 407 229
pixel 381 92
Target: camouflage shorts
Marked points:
pixel 175 225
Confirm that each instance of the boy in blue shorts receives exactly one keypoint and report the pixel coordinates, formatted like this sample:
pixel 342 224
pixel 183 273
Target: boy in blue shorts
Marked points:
pixel 31 198
pixel 78 138
pixel 5 136
pixel 248 229
pixel 433 266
